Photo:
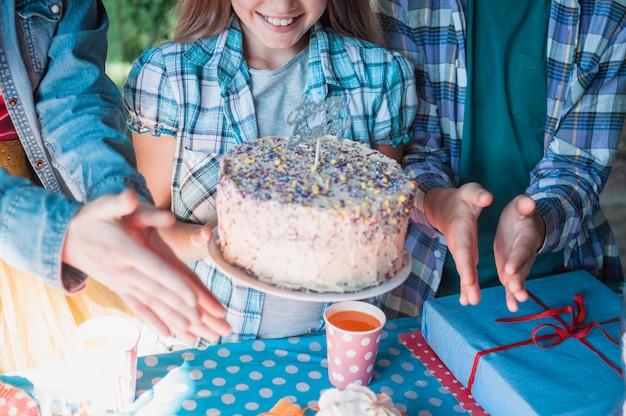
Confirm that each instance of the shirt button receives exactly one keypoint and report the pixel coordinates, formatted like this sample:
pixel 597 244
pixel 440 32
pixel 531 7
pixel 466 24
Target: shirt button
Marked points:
pixel 12 102
pixel 55 8
pixel 39 164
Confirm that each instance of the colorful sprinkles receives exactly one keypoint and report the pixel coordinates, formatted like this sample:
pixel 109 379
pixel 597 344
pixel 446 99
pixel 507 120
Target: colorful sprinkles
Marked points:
pixel 349 176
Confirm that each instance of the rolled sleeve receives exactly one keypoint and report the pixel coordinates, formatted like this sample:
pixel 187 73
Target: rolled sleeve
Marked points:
pixel 394 118
pixel 149 97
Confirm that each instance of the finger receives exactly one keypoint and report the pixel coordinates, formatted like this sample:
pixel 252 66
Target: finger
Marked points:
pixel 520 260
pixel 515 292
pixel 466 259
pixel 212 315
pixel 201 237
pixel 211 327
pixel 117 206
pixel 470 289
pixel 525 205
pixel 147 315
pixel 152 293
pixel 186 336
pixel 168 269
pixel 177 323
pixel 517 287
pixel 483 199
pixel 465 253
pixel 151 216
pixel 470 295
pixel 204 332
pixel 218 325
pixel 475 194
pixel 209 303
pixel 511 301
pixel 160 277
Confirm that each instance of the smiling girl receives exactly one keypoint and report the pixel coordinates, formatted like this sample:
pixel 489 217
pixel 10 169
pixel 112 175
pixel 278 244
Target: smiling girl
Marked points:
pixel 233 73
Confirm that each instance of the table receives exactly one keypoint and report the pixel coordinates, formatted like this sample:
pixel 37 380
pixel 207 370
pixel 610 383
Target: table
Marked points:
pixel 248 378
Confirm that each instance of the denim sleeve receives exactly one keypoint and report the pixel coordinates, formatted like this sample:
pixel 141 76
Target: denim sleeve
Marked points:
pixel 32 218
pixel 80 109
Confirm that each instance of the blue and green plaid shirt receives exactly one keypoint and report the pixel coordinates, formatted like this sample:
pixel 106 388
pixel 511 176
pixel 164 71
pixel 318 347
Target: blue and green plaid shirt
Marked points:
pixel 200 94
pixel 586 101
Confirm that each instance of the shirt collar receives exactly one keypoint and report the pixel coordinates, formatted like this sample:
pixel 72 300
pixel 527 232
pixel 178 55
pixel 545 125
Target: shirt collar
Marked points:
pixel 328 61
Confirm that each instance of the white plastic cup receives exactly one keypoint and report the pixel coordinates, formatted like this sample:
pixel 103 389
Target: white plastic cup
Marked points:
pixel 107 349
pixel 352 342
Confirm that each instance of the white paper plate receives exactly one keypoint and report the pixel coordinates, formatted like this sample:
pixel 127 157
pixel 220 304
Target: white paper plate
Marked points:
pixel 243 277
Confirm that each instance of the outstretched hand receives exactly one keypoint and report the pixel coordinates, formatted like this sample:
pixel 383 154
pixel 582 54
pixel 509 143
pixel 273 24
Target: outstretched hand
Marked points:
pixel 115 240
pixel 454 212
pixel 520 234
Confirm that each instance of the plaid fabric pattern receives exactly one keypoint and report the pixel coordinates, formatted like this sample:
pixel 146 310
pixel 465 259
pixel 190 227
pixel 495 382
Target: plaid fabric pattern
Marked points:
pixel 200 94
pixel 585 113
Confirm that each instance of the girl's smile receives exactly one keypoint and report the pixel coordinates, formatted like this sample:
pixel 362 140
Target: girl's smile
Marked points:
pixel 275 31
pixel 280 22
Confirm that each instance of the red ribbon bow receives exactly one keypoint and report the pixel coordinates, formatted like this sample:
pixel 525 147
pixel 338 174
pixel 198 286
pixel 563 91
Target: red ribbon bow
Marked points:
pixel 577 330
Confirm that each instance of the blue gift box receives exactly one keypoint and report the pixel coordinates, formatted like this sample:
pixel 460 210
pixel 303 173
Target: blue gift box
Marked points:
pixel 578 376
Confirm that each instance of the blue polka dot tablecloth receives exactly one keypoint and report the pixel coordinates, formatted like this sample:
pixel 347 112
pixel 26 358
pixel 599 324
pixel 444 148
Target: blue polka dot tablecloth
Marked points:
pixel 248 378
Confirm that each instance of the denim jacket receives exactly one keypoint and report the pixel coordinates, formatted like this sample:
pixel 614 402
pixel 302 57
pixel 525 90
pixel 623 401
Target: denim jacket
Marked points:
pixel 69 118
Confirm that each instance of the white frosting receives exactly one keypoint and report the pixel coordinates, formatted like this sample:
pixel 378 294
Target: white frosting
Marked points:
pixel 338 227
pixel 355 400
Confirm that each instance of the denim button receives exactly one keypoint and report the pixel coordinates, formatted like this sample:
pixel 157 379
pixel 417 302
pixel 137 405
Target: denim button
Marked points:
pixel 55 8
pixel 39 164
pixel 12 102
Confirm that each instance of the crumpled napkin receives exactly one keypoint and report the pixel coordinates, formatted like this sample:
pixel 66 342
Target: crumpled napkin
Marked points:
pixel 355 400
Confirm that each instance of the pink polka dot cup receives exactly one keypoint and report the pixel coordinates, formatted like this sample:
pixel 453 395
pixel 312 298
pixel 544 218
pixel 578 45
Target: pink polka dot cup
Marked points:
pixel 353 330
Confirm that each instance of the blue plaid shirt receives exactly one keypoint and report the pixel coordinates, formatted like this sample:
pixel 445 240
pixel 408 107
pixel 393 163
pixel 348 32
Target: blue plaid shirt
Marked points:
pixel 585 113
pixel 200 93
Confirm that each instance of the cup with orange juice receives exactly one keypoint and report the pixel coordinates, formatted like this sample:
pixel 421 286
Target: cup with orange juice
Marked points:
pixel 107 349
pixel 353 331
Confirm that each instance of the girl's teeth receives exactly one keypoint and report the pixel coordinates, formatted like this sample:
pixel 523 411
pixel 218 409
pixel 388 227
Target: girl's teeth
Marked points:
pixel 279 22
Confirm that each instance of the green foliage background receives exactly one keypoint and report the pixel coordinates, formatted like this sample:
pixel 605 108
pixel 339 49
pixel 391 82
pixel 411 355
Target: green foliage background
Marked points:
pixel 135 25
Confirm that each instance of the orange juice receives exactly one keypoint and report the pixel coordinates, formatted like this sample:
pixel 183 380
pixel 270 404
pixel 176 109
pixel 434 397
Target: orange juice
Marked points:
pixel 354 321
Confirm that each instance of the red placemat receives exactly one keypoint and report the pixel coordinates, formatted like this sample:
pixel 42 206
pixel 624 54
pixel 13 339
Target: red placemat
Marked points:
pixel 415 342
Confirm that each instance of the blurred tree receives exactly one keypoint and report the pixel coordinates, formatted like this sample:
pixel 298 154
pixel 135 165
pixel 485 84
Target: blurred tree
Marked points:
pixel 137 25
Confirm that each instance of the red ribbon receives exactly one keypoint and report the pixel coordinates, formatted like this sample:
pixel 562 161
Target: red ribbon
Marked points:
pixel 577 330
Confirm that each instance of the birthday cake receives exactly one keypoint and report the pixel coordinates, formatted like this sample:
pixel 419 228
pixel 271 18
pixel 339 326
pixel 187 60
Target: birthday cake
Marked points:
pixel 323 215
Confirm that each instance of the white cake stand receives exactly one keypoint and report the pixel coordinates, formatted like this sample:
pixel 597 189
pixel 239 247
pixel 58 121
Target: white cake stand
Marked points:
pixel 243 277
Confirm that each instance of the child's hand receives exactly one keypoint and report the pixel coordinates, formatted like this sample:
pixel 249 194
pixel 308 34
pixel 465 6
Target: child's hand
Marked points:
pixel 454 212
pixel 520 234
pixel 115 240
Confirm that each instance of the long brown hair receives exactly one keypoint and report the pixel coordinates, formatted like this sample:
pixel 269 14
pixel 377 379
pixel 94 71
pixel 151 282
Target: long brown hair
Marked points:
pixel 200 18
